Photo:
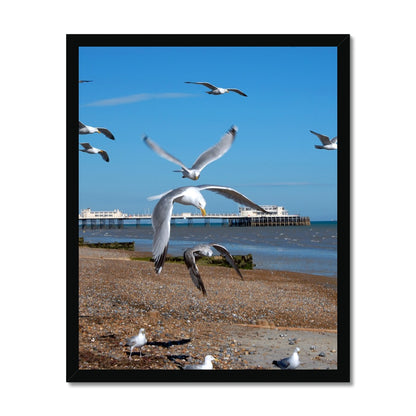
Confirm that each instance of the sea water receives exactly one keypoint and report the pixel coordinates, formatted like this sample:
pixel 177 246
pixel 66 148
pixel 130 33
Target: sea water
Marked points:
pixel 306 249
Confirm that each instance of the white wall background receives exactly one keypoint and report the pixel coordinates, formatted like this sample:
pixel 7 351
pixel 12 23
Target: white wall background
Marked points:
pixel 33 176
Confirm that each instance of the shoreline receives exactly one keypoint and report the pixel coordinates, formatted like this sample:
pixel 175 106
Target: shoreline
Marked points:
pixel 127 254
pixel 243 323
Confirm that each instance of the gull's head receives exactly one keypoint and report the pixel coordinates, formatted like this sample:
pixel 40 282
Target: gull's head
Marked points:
pixel 210 358
pixel 297 349
pixel 141 331
pixel 194 174
pixel 201 204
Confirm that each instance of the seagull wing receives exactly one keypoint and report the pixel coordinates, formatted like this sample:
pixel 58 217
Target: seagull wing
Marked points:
pixel 190 262
pixel 228 257
pixel 334 140
pixel 81 125
pixel 232 194
pixel 322 138
pixel 106 133
pixel 237 91
pixel 156 148
pixel 283 364
pixel 161 226
pixel 86 145
pixel 207 84
pixel 193 367
pixel 215 152
pixel 104 155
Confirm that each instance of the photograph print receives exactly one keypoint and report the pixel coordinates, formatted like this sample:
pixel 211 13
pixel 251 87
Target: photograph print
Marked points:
pixel 208 214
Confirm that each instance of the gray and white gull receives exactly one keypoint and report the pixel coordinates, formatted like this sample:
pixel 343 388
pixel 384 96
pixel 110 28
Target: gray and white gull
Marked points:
pixel 137 341
pixel 207 157
pixel 289 363
pixel 87 148
pixel 186 195
pixel 327 144
pixel 206 365
pixel 192 254
pixel 84 129
pixel 217 90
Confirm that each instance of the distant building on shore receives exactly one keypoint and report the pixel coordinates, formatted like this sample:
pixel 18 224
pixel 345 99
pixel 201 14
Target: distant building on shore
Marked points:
pixel 272 209
pixel 88 214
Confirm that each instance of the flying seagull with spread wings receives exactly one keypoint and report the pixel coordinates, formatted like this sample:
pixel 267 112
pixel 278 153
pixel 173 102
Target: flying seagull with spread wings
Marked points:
pixel 217 90
pixel 83 129
pixel 207 157
pixel 192 254
pixel 87 148
pixel 186 195
pixel 326 142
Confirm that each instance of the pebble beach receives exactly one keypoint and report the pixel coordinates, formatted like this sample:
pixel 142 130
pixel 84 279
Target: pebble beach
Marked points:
pixel 244 324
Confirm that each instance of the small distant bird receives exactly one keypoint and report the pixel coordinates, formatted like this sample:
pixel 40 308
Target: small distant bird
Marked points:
pixel 326 142
pixel 83 129
pixel 84 80
pixel 138 341
pixel 210 155
pixel 206 365
pixel 289 363
pixel 191 254
pixel 93 150
pixel 217 90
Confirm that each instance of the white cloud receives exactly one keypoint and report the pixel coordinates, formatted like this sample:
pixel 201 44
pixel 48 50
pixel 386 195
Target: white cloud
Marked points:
pixel 136 98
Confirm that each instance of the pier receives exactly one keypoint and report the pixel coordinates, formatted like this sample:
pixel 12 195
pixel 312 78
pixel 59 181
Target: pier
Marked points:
pixel 245 218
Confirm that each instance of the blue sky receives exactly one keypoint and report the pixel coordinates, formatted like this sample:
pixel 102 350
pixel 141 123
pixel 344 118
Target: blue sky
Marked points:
pixel 137 91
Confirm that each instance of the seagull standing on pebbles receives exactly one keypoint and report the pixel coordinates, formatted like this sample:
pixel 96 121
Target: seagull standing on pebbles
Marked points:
pixel 206 365
pixel 213 153
pixel 137 341
pixel 217 90
pixel 83 129
pixel 289 363
pixel 327 144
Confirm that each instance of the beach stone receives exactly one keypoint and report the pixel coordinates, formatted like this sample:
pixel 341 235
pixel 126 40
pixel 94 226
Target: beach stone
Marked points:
pixel 154 315
pixel 322 354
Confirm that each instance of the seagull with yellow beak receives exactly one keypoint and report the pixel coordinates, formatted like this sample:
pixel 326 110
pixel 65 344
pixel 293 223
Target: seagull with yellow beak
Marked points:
pixel 186 195
pixel 213 153
pixel 84 129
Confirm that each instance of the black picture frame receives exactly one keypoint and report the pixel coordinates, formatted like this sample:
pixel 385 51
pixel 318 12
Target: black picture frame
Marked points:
pixel 342 373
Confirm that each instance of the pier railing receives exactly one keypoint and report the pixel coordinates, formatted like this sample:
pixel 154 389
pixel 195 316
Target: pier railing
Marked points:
pixel 232 220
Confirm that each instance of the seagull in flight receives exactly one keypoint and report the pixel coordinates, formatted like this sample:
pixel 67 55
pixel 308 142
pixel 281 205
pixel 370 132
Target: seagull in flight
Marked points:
pixel 192 254
pixel 217 90
pixel 137 341
pixel 206 365
pixel 289 363
pixel 326 142
pixel 93 150
pixel 186 195
pixel 83 129
pixel 207 157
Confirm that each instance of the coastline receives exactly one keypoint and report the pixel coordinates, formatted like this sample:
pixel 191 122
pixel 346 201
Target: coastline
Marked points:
pixel 243 323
